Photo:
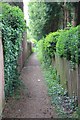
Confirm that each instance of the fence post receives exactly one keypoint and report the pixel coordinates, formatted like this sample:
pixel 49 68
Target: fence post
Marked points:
pixel 1 77
pixel 78 85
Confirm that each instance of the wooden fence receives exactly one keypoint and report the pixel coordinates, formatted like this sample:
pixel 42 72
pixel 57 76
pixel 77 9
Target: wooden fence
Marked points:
pixel 1 77
pixel 69 78
pixel 25 52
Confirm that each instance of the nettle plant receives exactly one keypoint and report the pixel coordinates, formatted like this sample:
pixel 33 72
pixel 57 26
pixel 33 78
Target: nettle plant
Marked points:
pixel 13 26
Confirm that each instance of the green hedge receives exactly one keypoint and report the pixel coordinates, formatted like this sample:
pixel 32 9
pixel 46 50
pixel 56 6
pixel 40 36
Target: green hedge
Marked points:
pixel 13 25
pixel 66 43
pixel 49 45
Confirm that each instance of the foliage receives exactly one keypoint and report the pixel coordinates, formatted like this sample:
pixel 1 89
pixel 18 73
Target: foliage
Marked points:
pixel 13 26
pixel 65 106
pixel 67 45
pixel 44 18
pixel 47 46
pixel 34 44
pixel 50 43
pixel 37 18
pixel 76 114
pixel 39 49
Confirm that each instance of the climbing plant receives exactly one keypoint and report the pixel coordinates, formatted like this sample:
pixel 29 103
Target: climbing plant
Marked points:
pixel 13 25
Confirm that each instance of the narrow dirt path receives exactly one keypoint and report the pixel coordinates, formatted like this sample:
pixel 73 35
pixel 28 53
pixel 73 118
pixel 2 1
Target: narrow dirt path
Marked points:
pixel 34 101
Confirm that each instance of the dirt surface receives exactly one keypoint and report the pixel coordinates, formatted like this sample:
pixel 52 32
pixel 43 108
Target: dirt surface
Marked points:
pixel 34 101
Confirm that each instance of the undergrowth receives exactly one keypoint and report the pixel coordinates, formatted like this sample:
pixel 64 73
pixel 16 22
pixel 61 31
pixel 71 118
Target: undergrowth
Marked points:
pixel 66 107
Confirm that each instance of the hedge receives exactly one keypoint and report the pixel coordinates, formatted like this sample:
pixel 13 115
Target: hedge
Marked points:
pixel 13 26
pixel 65 43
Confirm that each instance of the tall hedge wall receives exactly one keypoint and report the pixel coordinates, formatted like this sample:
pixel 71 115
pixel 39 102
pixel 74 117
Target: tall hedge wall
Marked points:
pixel 13 26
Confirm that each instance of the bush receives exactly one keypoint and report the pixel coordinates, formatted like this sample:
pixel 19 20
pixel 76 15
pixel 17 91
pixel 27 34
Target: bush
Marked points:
pixel 67 45
pixel 13 16
pixel 39 49
pixel 13 25
pixel 49 45
pixel 61 42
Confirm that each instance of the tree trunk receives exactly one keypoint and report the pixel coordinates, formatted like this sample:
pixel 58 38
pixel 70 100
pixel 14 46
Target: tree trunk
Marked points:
pixel 78 14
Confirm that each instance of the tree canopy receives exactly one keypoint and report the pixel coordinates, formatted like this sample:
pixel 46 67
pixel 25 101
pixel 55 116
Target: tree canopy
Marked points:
pixel 44 18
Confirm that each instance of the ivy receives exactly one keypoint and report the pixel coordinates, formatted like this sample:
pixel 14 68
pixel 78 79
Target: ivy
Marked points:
pixel 13 26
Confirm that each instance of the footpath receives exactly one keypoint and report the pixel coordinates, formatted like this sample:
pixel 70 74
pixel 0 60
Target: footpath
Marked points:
pixel 34 101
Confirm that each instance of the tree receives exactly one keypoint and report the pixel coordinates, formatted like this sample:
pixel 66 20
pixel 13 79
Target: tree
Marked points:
pixel 78 13
pixel 37 17
pixel 44 18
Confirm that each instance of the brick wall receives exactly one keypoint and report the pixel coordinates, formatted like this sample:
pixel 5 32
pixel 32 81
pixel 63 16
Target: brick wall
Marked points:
pixel 1 77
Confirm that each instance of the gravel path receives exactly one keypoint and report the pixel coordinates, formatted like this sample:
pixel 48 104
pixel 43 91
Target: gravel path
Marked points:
pixel 34 101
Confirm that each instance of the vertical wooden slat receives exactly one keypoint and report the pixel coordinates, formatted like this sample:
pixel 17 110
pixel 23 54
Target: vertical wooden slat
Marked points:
pixel 1 77
pixel 78 84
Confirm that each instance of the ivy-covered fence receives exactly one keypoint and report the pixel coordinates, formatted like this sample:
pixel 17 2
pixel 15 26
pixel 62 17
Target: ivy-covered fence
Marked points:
pixel 13 47
pixel 13 26
pixel 62 48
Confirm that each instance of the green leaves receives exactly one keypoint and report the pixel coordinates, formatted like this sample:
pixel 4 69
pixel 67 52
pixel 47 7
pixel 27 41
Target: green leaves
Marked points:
pixel 13 17
pixel 37 18
pixel 50 43
pixel 44 18
pixel 47 46
pixel 67 45
pixel 12 29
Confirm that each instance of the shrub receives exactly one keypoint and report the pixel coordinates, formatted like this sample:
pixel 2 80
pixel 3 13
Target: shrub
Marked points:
pixel 67 45
pixel 61 42
pixel 39 49
pixel 13 25
pixel 50 43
